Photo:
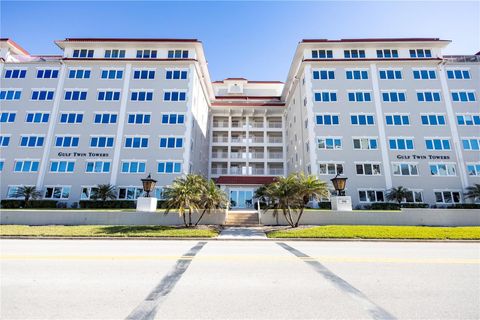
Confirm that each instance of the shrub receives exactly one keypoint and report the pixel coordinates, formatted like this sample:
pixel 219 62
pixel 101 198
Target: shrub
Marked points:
pixel 61 205
pixel 33 204
pixel 109 204
pixel 382 206
pixel 414 205
pixel 466 206
pixel 325 205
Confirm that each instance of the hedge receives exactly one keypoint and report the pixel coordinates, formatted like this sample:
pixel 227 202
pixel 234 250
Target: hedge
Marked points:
pixel 109 204
pixel 32 204
pixel 393 206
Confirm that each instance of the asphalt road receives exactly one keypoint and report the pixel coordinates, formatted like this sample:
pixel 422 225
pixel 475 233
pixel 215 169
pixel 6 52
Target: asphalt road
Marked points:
pixel 149 279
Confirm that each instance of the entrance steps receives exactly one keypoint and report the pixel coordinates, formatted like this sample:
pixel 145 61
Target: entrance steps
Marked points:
pixel 242 218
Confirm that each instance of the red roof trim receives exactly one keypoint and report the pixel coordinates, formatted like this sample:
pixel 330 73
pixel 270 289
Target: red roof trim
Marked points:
pixel 16 45
pixel 129 40
pixel 375 40
pixel 240 104
pixel 248 97
pixel 125 59
pixel 254 180
pixel 248 81
pixel 374 59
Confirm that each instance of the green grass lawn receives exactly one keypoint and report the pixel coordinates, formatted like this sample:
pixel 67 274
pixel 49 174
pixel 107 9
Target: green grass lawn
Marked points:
pixel 380 232
pixel 105 231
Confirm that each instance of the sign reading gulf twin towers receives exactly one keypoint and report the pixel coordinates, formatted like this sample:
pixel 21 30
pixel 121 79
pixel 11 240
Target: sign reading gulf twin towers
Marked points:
pixel 385 112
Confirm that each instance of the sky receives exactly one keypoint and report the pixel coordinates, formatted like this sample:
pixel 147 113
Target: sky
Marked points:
pixel 254 40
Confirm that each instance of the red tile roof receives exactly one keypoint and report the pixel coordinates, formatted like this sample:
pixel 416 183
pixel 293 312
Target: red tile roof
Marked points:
pixel 248 81
pixel 249 97
pixel 245 180
pixel 129 40
pixel 375 40
pixel 13 43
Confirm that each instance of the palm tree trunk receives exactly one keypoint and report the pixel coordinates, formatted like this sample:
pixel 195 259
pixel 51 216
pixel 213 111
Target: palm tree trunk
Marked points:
pixel 182 212
pixel 299 216
pixel 201 216
pixel 289 216
pixel 189 217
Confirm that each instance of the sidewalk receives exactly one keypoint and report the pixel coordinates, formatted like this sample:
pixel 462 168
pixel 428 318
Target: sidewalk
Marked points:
pixel 243 233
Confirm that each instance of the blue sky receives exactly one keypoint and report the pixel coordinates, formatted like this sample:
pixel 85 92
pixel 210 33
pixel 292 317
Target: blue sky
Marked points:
pixel 255 40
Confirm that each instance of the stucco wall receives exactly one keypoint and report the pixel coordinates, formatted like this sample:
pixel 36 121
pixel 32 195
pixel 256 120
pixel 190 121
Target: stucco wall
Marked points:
pixel 407 217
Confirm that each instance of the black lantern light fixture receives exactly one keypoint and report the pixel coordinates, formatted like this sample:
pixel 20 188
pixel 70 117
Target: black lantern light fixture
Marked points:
pixel 148 184
pixel 339 184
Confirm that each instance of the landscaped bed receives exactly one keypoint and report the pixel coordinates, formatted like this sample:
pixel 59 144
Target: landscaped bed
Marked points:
pixel 380 232
pixel 107 231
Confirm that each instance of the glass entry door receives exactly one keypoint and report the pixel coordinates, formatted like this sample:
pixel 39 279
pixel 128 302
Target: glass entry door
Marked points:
pixel 241 199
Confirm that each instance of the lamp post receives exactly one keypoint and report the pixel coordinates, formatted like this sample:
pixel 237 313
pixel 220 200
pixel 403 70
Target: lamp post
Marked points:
pixel 340 202
pixel 148 184
pixel 339 184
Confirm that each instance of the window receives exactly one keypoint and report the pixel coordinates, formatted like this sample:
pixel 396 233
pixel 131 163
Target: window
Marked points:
pixel 26 166
pixel 173 118
pixel 356 74
pixel 324 75
pixel 387 53
pixel 365 144
pixel 42 95
pixel 327 119
pixel 391 74
pixel 420 53
pixel 60 192
pixel 405 169
pixel 458 74
pixel 400 143
pixel 330 168
pixel 47 73
pixel 31 141
pixel 393 96
pixel 62 166
pixel 368 169
pixel 174 96
pixel 97 166
pixel 329 143
pixel 176 74
pixel 136 142
pixel 447 197
pixel 424 74
pixel 463 96
pixel 105 118
pixel 108 95
pixel 465 119
pixel 362 119
pixel 142 96
pixel 322 54
pixel 413 196
pixel 87 192
pixel 371 195
pixel 397 120
pixel 473 169
pixel 171 142
pixel 325 96
pixel 146 54
pixel 71 117
pixel 83 53
pixel 471 144
pixel 12 192
pixel 10 94
pixel 428 96
pixel 442 169
pixel 66 141
pixel 2 163
pixel 354 54
pixel 114 53
pixel 73 95
pixel 139 118
pixel 433 119
pixel 129 193
pixel 101 142
pixel 359 96
pixel 169 167
pixel 79 74
pixel 112 74
pixel 143 74
pixel 4 141
pixel 37 117
pixel 437 144
pixel 7 117
pixel 133 166
pixel 177 54
pixel 15 73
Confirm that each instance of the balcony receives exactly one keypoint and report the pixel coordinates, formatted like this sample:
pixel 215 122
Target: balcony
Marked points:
pixel 257 125
pixel 220 124
pixel 275 171
pixel 258 171
pixel 257 155
pixel 219 170
pixel 275 139
pixel 220 139
pixel 238 140
pixel 238 155
pixel 220 155
pixel 275 155
pixel 275 125
pixel 256 139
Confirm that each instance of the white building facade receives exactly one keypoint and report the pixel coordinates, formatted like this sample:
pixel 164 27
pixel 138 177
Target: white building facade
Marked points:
pixel 384 112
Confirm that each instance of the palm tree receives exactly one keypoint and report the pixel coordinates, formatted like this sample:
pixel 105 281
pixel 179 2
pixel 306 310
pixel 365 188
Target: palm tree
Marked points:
pixel 397 194
pixel 27 192
pixel 212 198
pixel 104 192
pixel 310 187
pixel 185 194
pixel 473 192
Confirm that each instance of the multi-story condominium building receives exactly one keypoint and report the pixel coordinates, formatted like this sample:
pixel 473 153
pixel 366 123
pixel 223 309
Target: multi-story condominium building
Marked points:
pixel 384 112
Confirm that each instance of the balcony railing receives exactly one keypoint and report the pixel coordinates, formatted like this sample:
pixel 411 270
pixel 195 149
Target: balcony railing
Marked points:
pixel 238 140
pixel 257 155
pixel 469 58
pixel 275 139
pixel 220 139
pixel 238 155
pixel 257 124
pixel 219 170
pixel 258 171
pixel 275 171
pixel 275 155
pixel 235 171
pixel 220 155
pixel 256 139
pixel 275 125
pixel 238 124
pixel 220 124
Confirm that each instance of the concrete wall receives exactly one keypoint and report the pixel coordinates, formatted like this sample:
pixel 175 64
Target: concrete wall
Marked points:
pixel 70 217
pixel 407 217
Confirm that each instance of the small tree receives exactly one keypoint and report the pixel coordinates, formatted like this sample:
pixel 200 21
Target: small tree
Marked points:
pixel 212 198
pixel 27 193
pixel 104 192
pixel 397 194
pixel 473 192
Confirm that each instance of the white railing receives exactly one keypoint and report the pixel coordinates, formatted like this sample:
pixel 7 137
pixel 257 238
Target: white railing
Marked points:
pixel 239 140
pixel 258 171
pixel 219 171
pixel 257 155
pixel 219 155
pixel 275 139
pixel 220 124
pixel 238 124
pixel 220 139
pixel 235 171
pixel 275 155
pixel 257 139
pixel 257 124
pixel 275 171
pixel 274 124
